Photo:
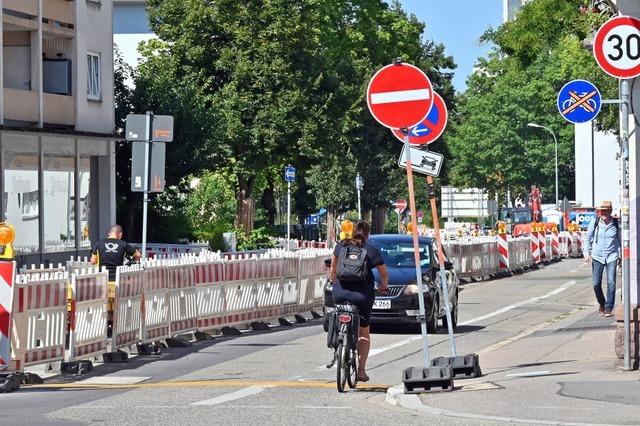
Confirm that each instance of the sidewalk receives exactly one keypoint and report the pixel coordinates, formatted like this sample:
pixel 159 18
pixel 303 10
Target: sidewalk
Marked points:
pixel 560 373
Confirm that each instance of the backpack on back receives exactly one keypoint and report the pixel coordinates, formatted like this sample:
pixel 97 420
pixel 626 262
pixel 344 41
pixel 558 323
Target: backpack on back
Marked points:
pixel 352 264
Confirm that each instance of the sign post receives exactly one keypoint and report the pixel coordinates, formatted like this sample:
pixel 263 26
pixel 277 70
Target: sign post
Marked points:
pixel 289 176
pixel 359 186
pixel 147 129
pixel 400 96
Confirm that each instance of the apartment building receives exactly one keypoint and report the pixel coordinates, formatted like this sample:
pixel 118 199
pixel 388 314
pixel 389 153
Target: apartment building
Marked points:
pixel 130 27
pixel 510 9
pixel 57 125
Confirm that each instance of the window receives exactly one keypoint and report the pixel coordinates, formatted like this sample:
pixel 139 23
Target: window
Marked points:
pixel 93 76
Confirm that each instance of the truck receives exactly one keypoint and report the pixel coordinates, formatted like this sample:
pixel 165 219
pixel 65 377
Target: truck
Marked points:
pixel 513 216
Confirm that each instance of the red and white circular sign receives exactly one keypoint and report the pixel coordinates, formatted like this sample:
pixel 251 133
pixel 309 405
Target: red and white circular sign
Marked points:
pixel 400 204
pixel 400 96
pixel 429 129
pixel 616 47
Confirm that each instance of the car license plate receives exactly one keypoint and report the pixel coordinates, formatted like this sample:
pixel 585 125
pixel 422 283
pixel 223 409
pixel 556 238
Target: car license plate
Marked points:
pixel 382 304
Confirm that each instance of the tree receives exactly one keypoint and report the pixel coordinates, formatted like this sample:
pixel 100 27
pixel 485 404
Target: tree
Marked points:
pixel 516 84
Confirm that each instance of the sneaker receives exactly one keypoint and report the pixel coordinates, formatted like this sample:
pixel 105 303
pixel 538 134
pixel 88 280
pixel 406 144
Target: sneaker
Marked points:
pixel 607 312
pixel 601 310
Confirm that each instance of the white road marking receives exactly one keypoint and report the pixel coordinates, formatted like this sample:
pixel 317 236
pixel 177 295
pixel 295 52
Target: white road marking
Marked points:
pixel 529 374
pixel 377 351
pixel 511 307
pixel 114 380
pixel 244 407
pixel 400 96
pixel 242 393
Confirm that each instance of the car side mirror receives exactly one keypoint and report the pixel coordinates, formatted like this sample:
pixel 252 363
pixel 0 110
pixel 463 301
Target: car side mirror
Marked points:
pixel 327 262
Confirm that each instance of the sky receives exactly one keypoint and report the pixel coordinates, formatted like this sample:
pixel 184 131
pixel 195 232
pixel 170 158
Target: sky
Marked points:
pixel 458 24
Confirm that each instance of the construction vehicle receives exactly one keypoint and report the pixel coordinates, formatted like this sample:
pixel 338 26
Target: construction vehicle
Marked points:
pixel 513 216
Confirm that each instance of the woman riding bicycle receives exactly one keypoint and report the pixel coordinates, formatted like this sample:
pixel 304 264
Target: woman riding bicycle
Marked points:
pixel 360 293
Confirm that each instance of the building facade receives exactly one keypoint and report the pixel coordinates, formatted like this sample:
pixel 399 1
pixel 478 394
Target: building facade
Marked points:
pixel 57 125
pixel 130 27
pixel 510 9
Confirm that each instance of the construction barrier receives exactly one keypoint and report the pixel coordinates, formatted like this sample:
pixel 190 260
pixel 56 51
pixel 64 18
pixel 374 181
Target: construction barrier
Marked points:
pixel 156 324
pixel 7 290
pixel 209 279
pixel 127 316
pixel 88 317
pixel 39 319
pixel 268 289
pixel 183 295
pixel 240 276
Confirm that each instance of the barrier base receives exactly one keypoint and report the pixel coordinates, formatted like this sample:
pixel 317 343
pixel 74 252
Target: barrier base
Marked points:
pixel 202 336
pixel 419 380
pixel 230 331
pixel 32 379
pixel 260 326
pixel 464 367
pixel 114 357
pixel 10 382
pixel 76 367
pixel 285 322
pixel 316 315
pixel 177 342
pixel 300 319
pixel 148 349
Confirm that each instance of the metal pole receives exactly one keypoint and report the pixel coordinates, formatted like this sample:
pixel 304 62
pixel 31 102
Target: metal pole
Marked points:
pixel 288 215
pixel 358 188
pixel 443 274
pixel 416 251
pixel 145 184
pixel 625 96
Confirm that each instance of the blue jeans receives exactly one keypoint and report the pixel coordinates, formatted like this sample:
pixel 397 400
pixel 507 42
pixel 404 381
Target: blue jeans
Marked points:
pixel 598 268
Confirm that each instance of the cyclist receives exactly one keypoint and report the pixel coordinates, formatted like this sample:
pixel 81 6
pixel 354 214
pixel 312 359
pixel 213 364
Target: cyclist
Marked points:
pixel 360 293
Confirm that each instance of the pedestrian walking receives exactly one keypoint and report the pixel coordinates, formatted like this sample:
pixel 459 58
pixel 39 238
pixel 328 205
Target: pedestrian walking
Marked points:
pixel 603 251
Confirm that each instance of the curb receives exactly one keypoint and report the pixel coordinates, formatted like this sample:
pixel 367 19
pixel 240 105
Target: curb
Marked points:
pixel 395 396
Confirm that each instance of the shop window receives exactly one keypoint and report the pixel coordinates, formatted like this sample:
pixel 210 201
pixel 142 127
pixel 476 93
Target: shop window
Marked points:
pixel 84 174
pixel 58 215
pixel 21 196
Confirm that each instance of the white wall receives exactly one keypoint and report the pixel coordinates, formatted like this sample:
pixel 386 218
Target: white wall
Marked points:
pixel 95 34
pixel 598 180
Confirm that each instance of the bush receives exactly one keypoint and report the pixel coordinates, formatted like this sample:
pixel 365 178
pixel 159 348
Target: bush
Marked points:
pixel 257 239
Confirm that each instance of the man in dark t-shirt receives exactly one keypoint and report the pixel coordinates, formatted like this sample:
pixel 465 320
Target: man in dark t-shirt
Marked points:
pixel 111 251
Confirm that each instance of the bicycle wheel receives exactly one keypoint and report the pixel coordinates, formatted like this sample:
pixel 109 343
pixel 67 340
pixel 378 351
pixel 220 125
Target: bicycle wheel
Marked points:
pixel 352 376
pixel 343 365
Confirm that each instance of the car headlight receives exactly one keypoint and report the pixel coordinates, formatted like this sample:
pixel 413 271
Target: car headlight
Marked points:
pixel 411 289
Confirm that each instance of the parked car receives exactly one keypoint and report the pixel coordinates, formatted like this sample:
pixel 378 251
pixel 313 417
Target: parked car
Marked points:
pixel 400 305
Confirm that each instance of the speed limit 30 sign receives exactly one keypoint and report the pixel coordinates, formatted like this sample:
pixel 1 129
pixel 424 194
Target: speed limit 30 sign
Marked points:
pixel 616 47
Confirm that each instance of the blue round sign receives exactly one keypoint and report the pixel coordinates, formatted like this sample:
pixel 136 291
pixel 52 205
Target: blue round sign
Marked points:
pixel 579 101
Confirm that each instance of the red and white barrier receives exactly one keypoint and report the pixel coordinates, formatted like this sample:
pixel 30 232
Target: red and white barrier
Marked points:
pixel 127 316
pixel 88 318
pixel 155 303
pixel 183 295
pixel 542 244
pixel 268 288
pixel 7 279
pixel 312 280
pixel 535 247
pixel 209 279
pixel 555 245
pixel 39 319
pixel 239 285
pixel 503 251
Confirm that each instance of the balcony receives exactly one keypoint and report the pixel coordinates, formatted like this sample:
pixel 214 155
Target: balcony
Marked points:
pixel 20 105
pixel 59 109
pixel 59 10
pixel 29 7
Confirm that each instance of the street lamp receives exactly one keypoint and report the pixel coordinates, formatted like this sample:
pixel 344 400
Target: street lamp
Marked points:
pixel 556 143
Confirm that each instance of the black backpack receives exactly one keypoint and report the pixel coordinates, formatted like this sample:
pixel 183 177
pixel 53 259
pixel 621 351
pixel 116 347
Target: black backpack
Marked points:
pixel 352 264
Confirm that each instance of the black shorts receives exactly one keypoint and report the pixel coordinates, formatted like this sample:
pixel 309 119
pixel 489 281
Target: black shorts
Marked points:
pixel 358 294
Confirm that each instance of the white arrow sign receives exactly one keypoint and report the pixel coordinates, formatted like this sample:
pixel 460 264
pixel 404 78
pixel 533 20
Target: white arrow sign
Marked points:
pixel 424 162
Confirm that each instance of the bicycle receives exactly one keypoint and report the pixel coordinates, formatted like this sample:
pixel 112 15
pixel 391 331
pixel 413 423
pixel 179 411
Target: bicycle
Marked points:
pixel 343 337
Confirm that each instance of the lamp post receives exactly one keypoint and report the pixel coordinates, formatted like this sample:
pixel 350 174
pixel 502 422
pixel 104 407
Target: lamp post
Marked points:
pixel 556 145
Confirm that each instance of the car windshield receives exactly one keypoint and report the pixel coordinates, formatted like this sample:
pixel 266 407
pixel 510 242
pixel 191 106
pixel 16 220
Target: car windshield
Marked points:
pixel 400 254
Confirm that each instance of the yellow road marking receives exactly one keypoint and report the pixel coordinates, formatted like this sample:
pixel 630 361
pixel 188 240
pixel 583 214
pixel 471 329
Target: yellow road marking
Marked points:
pixel 201 383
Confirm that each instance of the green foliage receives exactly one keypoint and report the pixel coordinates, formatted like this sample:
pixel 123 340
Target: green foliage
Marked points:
pixel 211 202
pixel 535 56
pixel 256 239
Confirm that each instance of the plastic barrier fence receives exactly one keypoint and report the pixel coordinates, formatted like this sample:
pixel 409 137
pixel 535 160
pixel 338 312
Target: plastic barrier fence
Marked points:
pixel 209 279
pixel 240 276
pixel 155 303
pixel 127 316
pixel 39 319
pixel 183 295
pixel 88 317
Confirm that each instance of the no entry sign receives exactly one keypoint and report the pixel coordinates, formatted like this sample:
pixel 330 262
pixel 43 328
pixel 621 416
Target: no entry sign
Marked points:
pixel 429 129
pixel 400 96
pixel 616 47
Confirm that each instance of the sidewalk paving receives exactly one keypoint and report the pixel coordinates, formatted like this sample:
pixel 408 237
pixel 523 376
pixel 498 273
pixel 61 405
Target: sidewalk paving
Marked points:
pixel 562 372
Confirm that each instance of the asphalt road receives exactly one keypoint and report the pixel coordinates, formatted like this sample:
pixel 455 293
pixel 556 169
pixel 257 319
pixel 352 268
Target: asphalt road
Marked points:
pixel 279 377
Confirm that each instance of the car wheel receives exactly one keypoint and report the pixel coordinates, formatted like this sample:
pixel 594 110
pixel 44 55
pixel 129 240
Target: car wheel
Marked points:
pixel 454 314
pixel 432 321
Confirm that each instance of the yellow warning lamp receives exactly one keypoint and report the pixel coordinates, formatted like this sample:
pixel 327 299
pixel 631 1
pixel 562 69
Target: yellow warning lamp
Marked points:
pixel 554 228
pixel 410 228
pixel 7 235
pixel 502 228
